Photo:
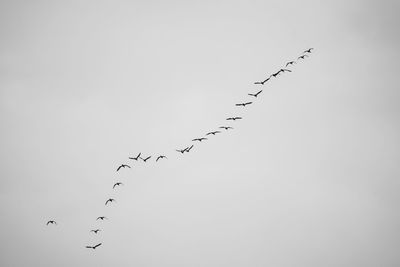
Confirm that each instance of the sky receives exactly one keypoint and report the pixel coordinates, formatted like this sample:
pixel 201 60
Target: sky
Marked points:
pixel 309 177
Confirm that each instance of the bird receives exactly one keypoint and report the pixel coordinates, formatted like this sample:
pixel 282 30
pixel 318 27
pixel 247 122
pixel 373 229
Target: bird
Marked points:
pixel 256 94
pixel 233 118
pixel 243 104
pixel 213 133
pixel 199 139
pixel 101 218
pixel 181 150
pixel 117 184
pixel 302 57
pixel 308 50
pixel 109 200
pixel 283 70
pixel 94 247
pixel 275 74
pixel 123 166
pixel 146 158
pixel 161 157
pixel 137 157
pixel 189 148
pixel 51 222
pixel 226 127
pixel 290 63
pixel 262 82
pixel 95 231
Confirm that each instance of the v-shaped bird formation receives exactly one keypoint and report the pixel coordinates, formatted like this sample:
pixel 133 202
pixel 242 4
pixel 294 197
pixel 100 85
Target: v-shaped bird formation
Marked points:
pixel 197 139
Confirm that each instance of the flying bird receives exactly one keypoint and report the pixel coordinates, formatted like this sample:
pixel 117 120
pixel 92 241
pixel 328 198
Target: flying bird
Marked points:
pixel 275 74
pixel 302 57
pixel 94 247
pixel 262 82
pixel 123 166
pixel 161 157
pixel 51 222
pixel 117 184
pixel 308 50
pixel 95 231
pixel 256 94
pixel 283 70
pixel 101 218
pixel 226 127
pixel 137 157
pixel 199 139
pixel 243 104
pixel 109 200
pixel 146 158
pixel 189 148
pixel 290 63
pixel 181 150
pixel 213 133
pixel 233 118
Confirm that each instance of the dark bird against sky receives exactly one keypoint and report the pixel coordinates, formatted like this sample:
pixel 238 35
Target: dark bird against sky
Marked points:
pixel 123 166
pixel 146 159
pixel 94 247
pixel 51 222
pixel 256 94
pixel 95 231
pixel 234 118
pixel 110 200
pixel 243 104
pixel 199 139
pixel 262 82
pixel 117 184
pixel 101 218
pixel 213 133
pixel 136 158
pixel 161 157
pixel 226 127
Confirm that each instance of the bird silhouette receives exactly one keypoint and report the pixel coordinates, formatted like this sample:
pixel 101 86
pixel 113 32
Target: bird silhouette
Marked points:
pixel 144 160
pixel 117 184
pixel 181 150
pixel 137 157
pixel 275 74
pixel 283 70
pixel 199 139
pixel 308 50
pixel 256 94
pixel 189 148
pixel 95 231
pixel 101 218
pixel 262 82
pixel 290 63
pixel 302 57
pixel 161 157
pixel 109 200
pixel 51 222
pixel 233 118
pixel 226 127
pixel 243 104
pixel 213 133
pixel 94 247
pixel 123 166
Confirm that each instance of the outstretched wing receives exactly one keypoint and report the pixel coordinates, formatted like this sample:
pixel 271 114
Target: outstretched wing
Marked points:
pixel 97 245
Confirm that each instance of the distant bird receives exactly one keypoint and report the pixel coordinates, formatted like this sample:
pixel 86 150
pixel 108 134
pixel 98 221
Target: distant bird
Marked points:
pixel 189 148
pixel 94 247
pixel 302 57
pixel 51 222
pixel 308 50
pixel 146 158
pixel 226 127
pixel 137 157
pixel 161 157
pixel 95 231
pixel 262 82
pixel 109 200
pixel 101 218
pixel 117 184
pixel 256 94
pixel 275 74
pixel 233 118
pixel 243 104
pixel 181 150
pixel 199 139
pixel 290 63
pixel 123 166
pixel 283 70
pixel 213 133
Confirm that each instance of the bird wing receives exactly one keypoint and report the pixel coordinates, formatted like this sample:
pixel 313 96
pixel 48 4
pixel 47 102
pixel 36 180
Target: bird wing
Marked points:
pixel 248 103
pixel 128 166
pixel 119 168
pixel 97 245
pixel 89 247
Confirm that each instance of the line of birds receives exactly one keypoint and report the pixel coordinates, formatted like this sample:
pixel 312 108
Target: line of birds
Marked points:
pixel 199 139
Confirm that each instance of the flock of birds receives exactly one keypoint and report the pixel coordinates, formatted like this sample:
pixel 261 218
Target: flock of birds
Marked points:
pixel 200 139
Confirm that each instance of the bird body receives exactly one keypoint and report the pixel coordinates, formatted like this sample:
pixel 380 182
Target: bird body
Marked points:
pixel 256 94
pixel 51 222
pixel 262 82
pixel 302 57
pixel 243 104
pixel 226 127
pixel 123 166
pixel 199 139
pixel 101 218
pixel 94 247
pixel 213 133
pixel 290 63
pixel 109 200
pixel 233 118
pixel 117 184
pixel 308 50
pixel 146 158
pixel 161 157
pixel 95 231
pixel 137 157
pixel 189 148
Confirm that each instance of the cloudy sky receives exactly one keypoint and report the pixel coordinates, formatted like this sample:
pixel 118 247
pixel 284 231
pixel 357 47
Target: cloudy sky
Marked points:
pixel 309 177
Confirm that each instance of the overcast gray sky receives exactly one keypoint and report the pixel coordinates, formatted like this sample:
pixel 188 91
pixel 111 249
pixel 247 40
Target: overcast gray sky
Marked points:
pixel 309 177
